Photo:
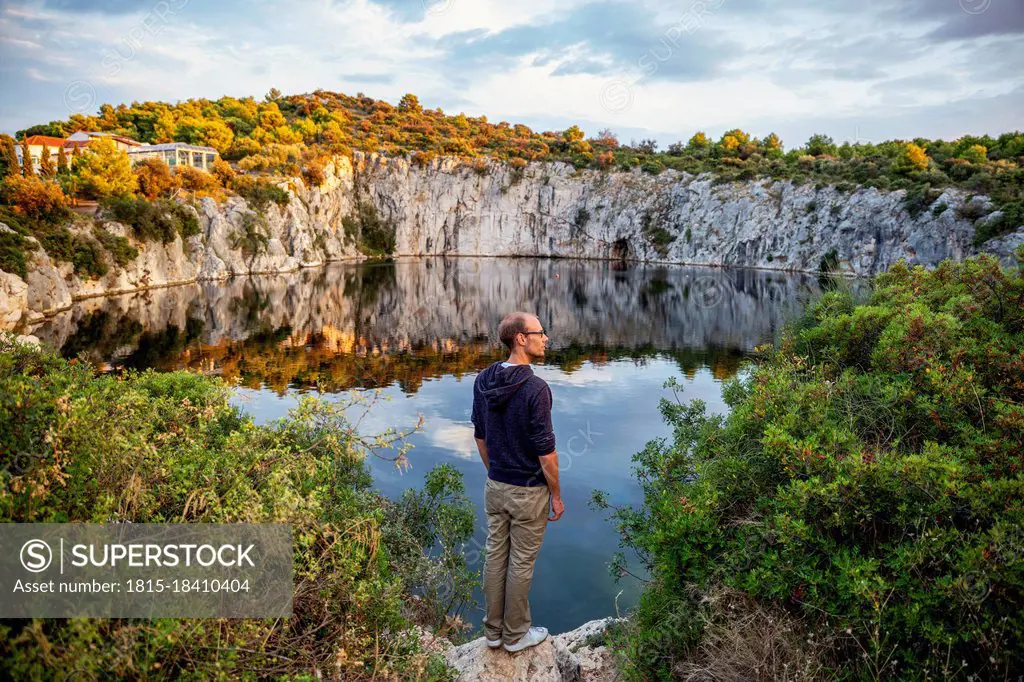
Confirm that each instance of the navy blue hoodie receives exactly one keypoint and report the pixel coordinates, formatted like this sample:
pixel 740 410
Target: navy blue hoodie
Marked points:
pixel 512 414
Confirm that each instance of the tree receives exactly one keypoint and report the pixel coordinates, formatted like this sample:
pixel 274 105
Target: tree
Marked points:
pixel 154 178
pixel 976 154
pixel 732 139
pixel 164 128
pixel 699 141
pixel 410 103
pixel 272 94
pixel 647 146
pixel 772 142
pixel 9 163
pixel 35 198
pixel 821 145
pixel 216 134
pixel 26 160
pixel 573 134
pixel 606 138
pixel 62 161
pixel 105 171
pixel 912 159
pixel 46 167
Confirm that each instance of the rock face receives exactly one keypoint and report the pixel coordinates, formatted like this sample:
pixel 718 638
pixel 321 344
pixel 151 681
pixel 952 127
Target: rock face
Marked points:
pixel 555 210
pixel 450 208
pixel 562 658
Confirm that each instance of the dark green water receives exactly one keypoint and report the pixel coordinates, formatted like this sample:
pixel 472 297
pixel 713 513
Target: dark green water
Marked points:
pixel 420 330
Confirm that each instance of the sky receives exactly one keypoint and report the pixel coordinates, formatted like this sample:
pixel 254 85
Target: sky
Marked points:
pixel 661 69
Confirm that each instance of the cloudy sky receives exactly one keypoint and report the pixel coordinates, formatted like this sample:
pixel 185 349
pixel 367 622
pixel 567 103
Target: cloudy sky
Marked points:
pixel 869 70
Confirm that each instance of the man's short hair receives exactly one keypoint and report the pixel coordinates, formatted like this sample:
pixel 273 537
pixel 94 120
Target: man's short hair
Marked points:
pixel 512 324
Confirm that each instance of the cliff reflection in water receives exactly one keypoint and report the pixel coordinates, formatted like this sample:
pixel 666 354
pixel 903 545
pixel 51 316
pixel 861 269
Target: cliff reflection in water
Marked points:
pixel 350 325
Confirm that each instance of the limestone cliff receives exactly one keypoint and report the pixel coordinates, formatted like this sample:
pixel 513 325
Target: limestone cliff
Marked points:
pixel 452 208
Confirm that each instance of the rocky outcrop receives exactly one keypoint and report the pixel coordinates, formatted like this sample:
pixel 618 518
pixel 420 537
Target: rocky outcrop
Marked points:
pixel 569 657
pixel 556 210
pixel 546 209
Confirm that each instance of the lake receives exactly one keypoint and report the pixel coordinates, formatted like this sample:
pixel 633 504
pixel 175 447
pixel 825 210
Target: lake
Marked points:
pixel 418 330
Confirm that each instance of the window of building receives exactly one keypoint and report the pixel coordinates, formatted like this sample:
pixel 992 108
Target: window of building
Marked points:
pixel 210 158
pixel 171 158
pixel 197 159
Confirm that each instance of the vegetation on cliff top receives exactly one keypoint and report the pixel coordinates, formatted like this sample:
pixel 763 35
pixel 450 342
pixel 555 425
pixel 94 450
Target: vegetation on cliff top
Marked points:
pixel 858 514
pixel 152 447
pixel 292 135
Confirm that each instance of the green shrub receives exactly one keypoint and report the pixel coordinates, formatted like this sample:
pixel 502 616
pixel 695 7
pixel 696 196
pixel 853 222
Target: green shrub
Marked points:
pixel 88 258
pixel 652 166
pixel 373 236
pixel 919 198
pixel 865 488
pixel 260 193
pixel 120 249
pixel 59 244
pixel 150 448
pixel 829 262
pixel 152 221
pixel 12 253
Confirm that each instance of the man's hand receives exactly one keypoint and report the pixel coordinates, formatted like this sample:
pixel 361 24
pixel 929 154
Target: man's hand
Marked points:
pixel 557 508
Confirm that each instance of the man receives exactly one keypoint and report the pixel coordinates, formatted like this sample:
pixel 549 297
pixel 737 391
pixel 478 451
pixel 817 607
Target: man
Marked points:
pixel 512 427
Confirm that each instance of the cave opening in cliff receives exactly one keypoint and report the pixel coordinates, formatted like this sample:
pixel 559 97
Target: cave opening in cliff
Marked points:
pixel 620 249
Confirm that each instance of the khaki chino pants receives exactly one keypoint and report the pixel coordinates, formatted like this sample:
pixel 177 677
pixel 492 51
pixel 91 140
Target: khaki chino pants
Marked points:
pixel 516 519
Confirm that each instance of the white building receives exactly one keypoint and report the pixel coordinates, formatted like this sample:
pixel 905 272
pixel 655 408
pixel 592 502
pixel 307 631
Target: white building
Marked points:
pixel 176 154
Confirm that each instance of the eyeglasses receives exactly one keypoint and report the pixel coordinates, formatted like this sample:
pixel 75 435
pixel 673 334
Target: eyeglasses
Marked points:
pixel 528 333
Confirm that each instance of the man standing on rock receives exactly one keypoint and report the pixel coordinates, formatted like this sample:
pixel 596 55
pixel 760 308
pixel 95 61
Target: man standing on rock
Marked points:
pixel 512 427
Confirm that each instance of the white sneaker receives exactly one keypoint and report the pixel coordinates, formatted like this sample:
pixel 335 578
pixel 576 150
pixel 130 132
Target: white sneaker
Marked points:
pixel 493 643
pixel 533 636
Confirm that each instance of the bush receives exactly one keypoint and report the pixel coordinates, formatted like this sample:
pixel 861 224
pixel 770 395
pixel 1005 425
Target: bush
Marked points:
pixel 866 485
pixel 260 193
pixel 314 173
pixel 154 447
pixel 153 221
pixel 84 254
pixel 88 258
pixel 120 249
pixel 12 253
pixel 58 243
pixel 373 236
pixel 196 180
pixel 154 178
pixel 36 198
pixel 223 172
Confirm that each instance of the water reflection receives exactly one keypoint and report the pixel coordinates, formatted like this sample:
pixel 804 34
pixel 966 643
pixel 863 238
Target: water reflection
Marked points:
pixel 350 326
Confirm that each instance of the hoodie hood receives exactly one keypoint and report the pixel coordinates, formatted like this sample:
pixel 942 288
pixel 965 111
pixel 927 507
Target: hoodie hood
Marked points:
pixel 498 384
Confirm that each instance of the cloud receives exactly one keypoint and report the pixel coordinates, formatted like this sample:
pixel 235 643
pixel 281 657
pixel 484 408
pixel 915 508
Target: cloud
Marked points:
pixel 791 67
pixel 602 38
pixel 454 437
pixel 368 78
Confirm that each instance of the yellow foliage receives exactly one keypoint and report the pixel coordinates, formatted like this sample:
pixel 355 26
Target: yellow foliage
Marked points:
pixel 916 156
pixel 105 171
